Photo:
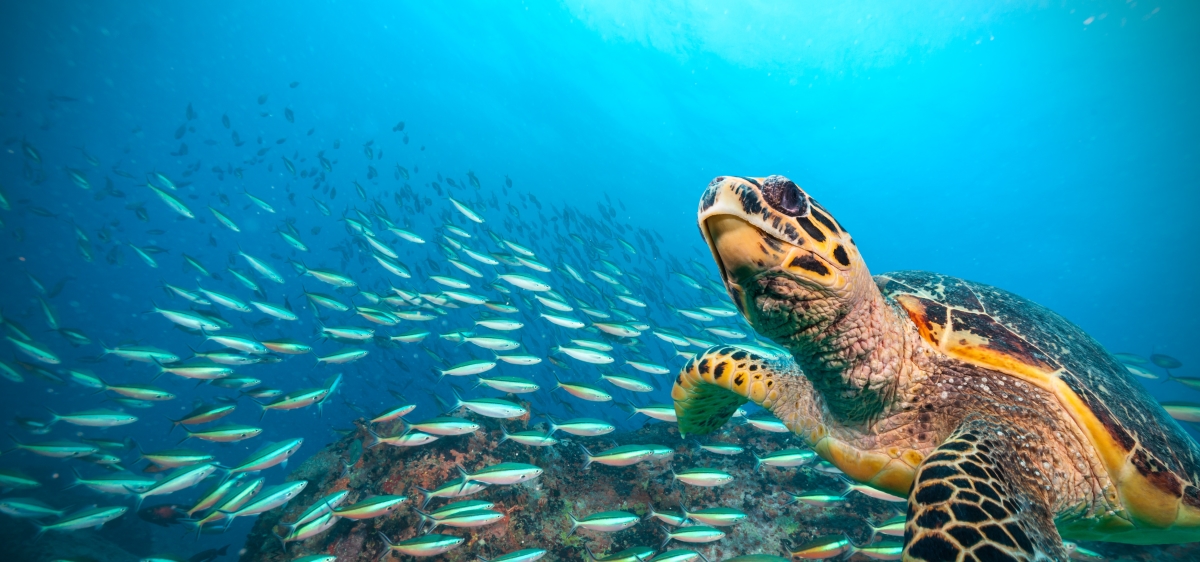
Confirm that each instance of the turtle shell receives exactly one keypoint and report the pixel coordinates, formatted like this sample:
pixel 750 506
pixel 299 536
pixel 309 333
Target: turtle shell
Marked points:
pixel 1149 457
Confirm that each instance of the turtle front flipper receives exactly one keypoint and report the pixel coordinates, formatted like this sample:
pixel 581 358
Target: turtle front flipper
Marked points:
pixel 972 500
pixel 712 385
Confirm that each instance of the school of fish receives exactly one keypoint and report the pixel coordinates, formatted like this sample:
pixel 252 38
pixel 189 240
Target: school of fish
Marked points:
pixel 469 290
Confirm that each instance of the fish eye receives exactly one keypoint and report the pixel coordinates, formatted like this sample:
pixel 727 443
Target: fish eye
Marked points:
pixel 784 196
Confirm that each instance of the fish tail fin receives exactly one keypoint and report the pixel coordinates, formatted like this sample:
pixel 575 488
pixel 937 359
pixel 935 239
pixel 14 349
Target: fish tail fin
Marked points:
pixel 466 478
pixel 137 503
pixel 553 424
pixel 649 512
pixel 587 456
pixel 375 439
pixel 174 423
pixel 667 538
pixel 445 405
pixel 14 439
pixel 503 434
pixel 283 543
pixel 78 479
pixel 846 482
pixel 385 539
pixel 757 460
pixel 629 408
pixel 426 495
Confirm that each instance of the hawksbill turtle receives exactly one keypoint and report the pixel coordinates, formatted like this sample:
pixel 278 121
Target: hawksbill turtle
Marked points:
pixel 1006 426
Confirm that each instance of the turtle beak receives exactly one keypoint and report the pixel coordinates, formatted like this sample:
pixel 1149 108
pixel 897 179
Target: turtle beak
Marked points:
pixel 740 252
pixel 735 245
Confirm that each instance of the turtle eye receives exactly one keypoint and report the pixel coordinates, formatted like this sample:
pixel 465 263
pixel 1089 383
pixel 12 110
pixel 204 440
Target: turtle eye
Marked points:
pixel 783 196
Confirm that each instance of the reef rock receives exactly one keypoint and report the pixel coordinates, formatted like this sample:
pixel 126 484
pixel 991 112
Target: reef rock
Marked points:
pixel 537 512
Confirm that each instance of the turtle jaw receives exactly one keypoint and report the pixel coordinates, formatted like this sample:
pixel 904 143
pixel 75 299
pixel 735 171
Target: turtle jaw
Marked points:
pixel 750 260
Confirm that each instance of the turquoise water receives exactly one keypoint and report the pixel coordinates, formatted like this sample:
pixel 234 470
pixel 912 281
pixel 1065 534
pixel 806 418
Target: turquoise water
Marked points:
pixel 1048 149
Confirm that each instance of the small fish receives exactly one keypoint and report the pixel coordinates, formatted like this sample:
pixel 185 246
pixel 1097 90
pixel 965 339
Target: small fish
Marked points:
pixel 268 456
pixel 224 220
pixel 502 473
pixel 785 458
pixel 531 438
pixel 175 458
pixel 584 391
pixel 295 400
pixel 707 477
pixel 693 534
pixel 584 427
pixel 262 267
pixel 490 407
pixel 893 527
pixel 57 449
pixel 564 321
pixel 525 282
pixel 673 518
pixel 445 426
pixel 424 545
pixel 93 418
pixel 661 412
pixel 405 439
pixel 514 385
pixel 628 383
pixel 716 516
pixel 228 433
pixel 632 554
pixel 1183 411
pixel 266 500
pixel 767 423
pixel 179 479
pixel 466 211
pixel 608 521
pixel 624 455
pixel 818 498
pixel 822 548
pixel 524 555
pixel 36 351
pixel 287 346
pixel 585 355
pixel 345 356
pixel 28 508
pixel 84 519
pixel 469 368
pixel 259 202
pixel 1165 362
pixel 376 506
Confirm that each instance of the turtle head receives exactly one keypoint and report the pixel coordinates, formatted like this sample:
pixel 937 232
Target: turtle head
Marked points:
pixel 779 253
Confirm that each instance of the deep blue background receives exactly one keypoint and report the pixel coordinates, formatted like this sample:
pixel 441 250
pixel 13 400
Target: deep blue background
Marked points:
pixel 1050 150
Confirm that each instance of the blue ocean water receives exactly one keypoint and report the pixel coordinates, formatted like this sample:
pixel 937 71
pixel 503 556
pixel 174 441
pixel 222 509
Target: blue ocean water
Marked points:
pixel 1046 148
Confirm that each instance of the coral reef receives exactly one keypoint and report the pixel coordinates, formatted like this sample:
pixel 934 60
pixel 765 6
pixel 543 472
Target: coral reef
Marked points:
pixel 537 512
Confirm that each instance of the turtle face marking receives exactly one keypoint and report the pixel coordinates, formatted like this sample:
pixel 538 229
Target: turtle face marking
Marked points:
pixel 769 227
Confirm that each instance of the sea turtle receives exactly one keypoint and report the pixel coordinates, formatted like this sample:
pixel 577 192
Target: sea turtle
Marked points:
pixel 1006 426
